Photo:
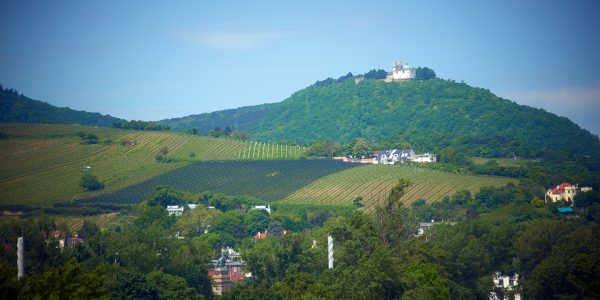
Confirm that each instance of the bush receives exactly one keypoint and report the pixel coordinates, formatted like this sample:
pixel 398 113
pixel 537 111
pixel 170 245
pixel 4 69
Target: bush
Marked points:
pixel 90 182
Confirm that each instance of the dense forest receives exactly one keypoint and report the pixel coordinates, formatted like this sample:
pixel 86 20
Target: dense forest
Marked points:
pixel 17 108
pixel 427 115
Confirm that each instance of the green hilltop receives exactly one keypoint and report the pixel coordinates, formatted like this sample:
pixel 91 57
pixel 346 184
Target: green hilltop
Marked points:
pixel 17 108
pixel 429 115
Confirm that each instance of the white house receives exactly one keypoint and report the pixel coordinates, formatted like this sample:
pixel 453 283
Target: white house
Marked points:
pixel 175 210
pixel 425 158
pixel 389 157
pixel 266 208
pixel 505 287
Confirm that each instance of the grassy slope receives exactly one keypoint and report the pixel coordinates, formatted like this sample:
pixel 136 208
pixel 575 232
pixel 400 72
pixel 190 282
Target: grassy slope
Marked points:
pixel 373 182
pixel 42 164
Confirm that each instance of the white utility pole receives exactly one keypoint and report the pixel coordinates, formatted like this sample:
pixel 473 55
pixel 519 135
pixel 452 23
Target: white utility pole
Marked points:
pixel 330 251
pixel 20 258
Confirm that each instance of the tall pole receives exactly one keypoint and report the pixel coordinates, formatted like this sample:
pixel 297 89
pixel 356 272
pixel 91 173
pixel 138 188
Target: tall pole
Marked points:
pixel 330 251
pixel 20 258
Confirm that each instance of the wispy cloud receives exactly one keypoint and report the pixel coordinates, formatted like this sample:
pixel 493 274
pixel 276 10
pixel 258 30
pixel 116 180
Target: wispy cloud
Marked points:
pixel 579 103
pixel 222 36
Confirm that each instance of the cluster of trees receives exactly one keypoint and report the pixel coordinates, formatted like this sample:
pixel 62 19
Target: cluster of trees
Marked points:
pixel 376 74
pixel 87 138
pixel 161 157
pixel 356 148
pixel 90 182
pixel 141 125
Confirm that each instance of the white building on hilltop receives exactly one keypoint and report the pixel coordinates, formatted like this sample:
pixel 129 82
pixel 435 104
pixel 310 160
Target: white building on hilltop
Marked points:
pixel 401 72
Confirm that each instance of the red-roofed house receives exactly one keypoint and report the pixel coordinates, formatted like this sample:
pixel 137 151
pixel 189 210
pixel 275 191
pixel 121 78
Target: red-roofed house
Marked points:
pixel 260 235
pixel 564 191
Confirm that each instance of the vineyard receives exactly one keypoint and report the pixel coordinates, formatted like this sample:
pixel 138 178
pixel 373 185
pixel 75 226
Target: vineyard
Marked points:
pixel 264 151
pixel 268 180
pixel 373 182
pixel 42 164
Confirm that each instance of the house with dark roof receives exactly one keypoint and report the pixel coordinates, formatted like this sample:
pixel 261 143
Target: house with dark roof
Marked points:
pixel 390 157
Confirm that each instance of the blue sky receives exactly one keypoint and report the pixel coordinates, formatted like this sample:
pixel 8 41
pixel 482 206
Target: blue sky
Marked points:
pixel 140 60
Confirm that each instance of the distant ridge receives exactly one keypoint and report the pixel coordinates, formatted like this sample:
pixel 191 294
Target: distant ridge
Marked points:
pixel 15 107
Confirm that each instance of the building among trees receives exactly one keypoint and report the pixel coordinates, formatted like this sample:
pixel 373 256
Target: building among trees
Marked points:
pixel 401 72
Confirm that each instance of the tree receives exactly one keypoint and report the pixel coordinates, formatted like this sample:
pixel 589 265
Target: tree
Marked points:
pixel 425 73
pixel 90 182
pixel 358 148
pixel 357 201
pixel 162 155
pixel 583 199
pixel 91 139
pixel 255 221
pixel 391 220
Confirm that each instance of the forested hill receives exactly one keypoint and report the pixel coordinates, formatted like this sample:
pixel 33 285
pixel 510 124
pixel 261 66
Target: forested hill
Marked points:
pixel 427 115
pixel 241 119
pixel 15 107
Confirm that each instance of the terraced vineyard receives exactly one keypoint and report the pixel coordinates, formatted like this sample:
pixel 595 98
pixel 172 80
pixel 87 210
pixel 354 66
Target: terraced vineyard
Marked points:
pixel 269 180
pixel 373 182
pixel 42 164
pixel 263 151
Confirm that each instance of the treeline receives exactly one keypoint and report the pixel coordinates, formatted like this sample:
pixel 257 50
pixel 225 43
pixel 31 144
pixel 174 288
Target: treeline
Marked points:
pixel 141 125
pixel 16 107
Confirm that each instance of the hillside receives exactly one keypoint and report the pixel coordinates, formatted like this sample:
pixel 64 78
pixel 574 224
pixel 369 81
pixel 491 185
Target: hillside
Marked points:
pixel 18 108
pixel 241 119
pixel 41 164
pixel 373 183
pixel 321 182
pixel 429 115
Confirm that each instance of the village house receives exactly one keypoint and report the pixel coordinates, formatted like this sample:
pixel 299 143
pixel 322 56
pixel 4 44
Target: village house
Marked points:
pixel 505 287
pixel 176 210
pixel 423 226
pixel 230 271
pixel 390 157
pixel 564 192
pixel 266 208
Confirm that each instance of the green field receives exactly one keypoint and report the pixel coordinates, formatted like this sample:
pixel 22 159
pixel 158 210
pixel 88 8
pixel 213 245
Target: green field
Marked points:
pixel 373 182
pixel 269 180
pixel 41 164
pixel 307 181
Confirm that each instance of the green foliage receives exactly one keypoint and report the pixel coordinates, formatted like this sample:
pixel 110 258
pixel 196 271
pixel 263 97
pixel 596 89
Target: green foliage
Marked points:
pixel 90 182
pixel 17 108
pixel 357 201
pixel 391 221
pixel 376 74
pixel 141 125
pixel 424 73
pixel 358 148
pixel 430 115
pixel 584 199
pixel 326 148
